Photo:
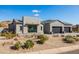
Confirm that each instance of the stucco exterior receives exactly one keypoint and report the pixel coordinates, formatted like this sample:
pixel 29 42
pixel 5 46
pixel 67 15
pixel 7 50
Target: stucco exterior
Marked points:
pixel 32 21
pixel 34 25
pixel 56 23
pixel 48 26
pixel 23 27
pixel 18 29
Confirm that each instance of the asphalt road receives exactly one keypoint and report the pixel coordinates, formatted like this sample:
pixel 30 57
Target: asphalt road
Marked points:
pixel 71 52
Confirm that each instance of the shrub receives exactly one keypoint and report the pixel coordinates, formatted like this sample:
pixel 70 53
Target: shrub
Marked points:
pixel 42 39
pixel 2 34
pixel 77 35
pixel 28 44
pixel 3 44
pixel 76 39
pixel 8 35
pixel 69 39
pixel 62 35
pixel 17 45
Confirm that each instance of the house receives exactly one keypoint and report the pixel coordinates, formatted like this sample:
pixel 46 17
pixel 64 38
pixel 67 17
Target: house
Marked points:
pixel 56 26
pixel 26 25
pixel 75 28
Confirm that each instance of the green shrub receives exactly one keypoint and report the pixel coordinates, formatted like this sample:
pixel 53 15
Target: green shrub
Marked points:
pixel 17 45
pixel 69 39
pixel 77 35
pixel 28 44
pixel 2 34
pixel 3 44
pixel 76 39
pixel 8 35
pixel 42 39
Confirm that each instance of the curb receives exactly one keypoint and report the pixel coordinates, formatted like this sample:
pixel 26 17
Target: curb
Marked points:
pixel 57 50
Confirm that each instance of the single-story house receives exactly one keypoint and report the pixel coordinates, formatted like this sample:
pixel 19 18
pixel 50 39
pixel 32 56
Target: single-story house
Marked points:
pixel 56 26
pixel 26 25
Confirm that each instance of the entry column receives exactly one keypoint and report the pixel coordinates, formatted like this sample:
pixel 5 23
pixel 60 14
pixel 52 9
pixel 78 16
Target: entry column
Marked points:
pixel 63 29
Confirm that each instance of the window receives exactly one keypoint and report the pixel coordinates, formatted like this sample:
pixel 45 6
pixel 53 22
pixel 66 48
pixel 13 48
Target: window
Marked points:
pixel 41 27
pixel 32 28
pixel 20 27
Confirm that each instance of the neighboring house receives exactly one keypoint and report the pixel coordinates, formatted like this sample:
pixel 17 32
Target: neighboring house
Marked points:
pixel 26 25
pixel 56 26
pixel 4 26
pixel 1 29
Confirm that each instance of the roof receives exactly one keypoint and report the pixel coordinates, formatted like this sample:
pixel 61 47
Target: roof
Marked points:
pixel 17 21
pixel 50 21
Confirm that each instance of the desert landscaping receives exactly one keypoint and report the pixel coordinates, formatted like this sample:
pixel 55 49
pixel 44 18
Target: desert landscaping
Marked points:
pixel 34 42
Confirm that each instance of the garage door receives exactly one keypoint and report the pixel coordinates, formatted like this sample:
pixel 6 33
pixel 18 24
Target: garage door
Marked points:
pixel 67 29
pixel 57 29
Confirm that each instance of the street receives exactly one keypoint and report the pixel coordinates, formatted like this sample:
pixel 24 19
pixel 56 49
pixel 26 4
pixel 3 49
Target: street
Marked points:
pixel 71 52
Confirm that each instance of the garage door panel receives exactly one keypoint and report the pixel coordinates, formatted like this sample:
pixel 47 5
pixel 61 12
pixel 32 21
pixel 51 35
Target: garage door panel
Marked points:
pixel 67 29
pixel 56 29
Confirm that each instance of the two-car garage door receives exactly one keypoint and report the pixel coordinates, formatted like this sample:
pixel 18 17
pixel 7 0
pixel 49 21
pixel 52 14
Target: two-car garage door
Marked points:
pixel 57 29
pixel 66 29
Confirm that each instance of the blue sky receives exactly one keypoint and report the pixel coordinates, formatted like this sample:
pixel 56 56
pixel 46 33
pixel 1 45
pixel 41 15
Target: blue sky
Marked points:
pixel 67 13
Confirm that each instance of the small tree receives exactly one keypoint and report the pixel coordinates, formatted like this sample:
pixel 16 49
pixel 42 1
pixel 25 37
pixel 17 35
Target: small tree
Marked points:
pixel 28 44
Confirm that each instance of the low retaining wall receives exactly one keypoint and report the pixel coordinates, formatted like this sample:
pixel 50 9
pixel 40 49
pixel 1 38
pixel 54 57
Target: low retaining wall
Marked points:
pixel 56 50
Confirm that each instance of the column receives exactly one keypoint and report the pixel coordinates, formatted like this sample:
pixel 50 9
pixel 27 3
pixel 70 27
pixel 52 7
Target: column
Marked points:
pixel 63 29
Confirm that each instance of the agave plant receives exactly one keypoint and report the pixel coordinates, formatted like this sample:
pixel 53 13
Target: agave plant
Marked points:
pixel 28 44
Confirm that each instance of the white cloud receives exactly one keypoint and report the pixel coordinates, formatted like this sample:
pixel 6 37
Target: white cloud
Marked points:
pixel 35 11
pixel 36 15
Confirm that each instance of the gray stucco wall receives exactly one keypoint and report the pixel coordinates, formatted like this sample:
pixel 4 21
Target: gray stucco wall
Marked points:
pixel 12 27
pixel 25 29
pixel 31 21
pixel 39 30
pixel 18 29
pixel 56 23
pixel 47 28
pixel 69 26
